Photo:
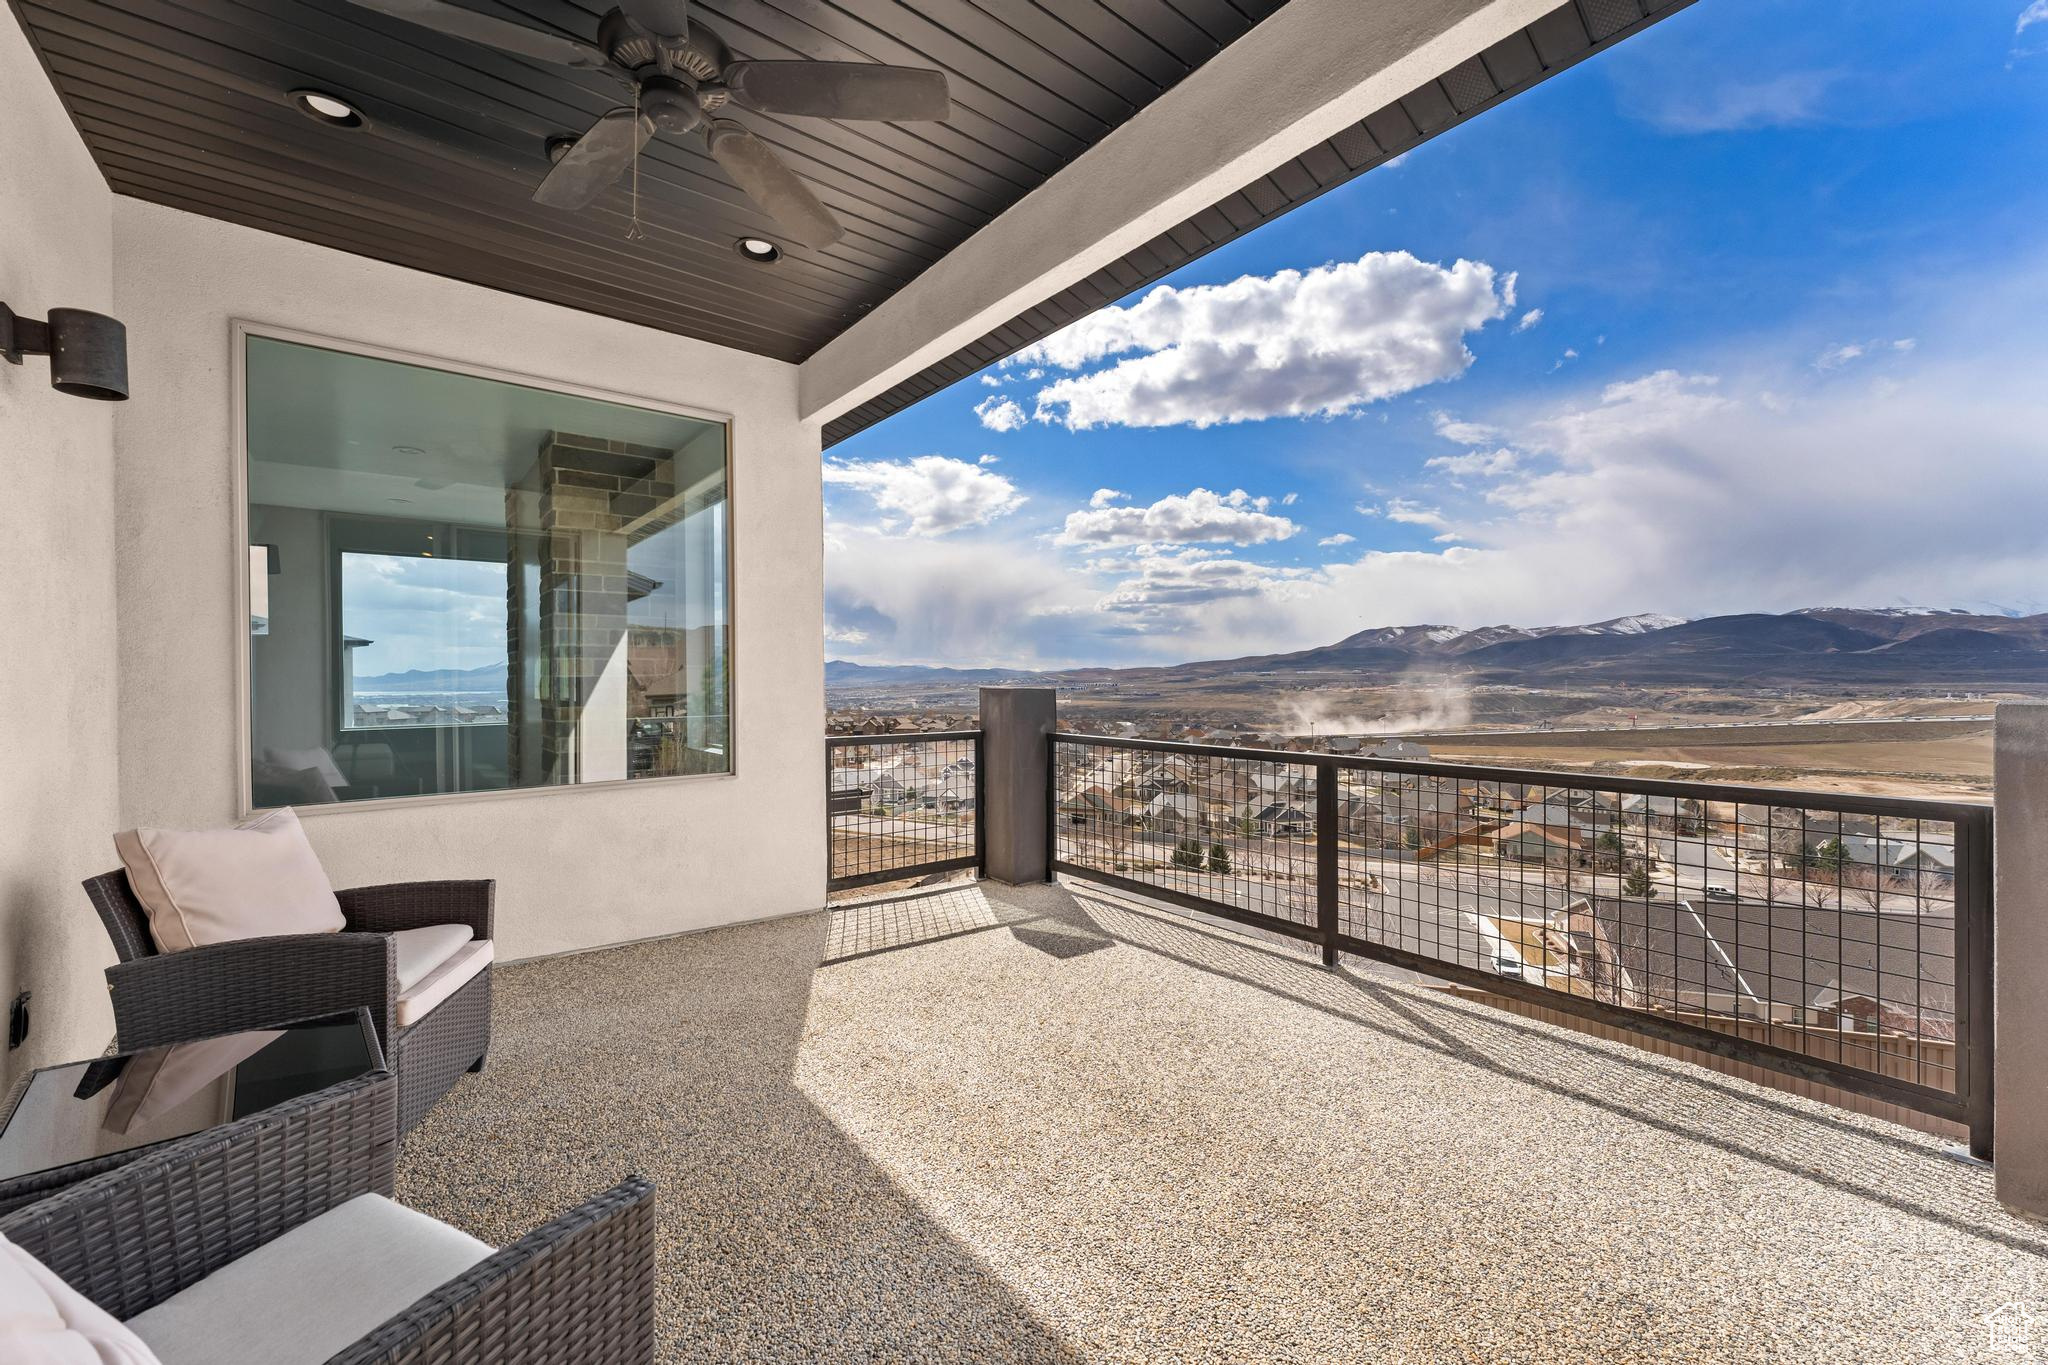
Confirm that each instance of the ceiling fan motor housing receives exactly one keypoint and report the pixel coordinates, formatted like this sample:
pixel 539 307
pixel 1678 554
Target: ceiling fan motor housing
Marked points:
pixel 627 44
pixel 671 103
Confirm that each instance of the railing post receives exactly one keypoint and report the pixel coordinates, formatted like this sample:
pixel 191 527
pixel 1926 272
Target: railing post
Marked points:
pixel 1326 858
pixel 1016 725
pixel 980 807
pixel 1977 992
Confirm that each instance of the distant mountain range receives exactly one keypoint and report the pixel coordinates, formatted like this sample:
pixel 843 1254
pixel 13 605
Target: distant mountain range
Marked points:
pixel 1835 645
pixel 488 678
pixel 842 673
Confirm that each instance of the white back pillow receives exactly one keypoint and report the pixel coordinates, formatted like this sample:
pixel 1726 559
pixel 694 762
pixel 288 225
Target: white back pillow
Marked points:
pixel 218 885
pixel 44 1321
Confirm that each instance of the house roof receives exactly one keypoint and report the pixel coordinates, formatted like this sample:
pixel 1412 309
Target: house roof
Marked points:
pixel 1522 829
pixel 1805 956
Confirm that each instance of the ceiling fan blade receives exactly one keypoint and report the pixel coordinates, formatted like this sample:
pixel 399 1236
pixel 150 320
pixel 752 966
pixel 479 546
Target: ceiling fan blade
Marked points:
pixel 769 182
pixel 491 31
pixel 664 18
pixel 848 90
pixel 595 161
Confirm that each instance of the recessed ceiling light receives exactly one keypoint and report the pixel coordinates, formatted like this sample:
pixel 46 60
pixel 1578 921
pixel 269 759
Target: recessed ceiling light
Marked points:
pixel 329 109
pixel 758 249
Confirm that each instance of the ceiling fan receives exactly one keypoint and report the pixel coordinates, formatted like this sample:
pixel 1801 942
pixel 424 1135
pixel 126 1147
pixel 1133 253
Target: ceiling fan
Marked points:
pixel 683 80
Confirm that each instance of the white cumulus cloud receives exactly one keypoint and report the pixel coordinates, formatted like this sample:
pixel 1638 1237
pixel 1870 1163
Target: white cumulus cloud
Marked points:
pixel 1199 516
pixel 1319 342
pixel 1341 538
pixel 2036 13
pixel 1171 589
pixel 929 495
pixel 1475 464
pixel 1415 514
pixel 1000 413
pixel 1464 433
pixel 1529 319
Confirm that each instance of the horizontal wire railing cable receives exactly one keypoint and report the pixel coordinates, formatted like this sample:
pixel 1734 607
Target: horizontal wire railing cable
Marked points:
pixel 902 806
pixel 1838 938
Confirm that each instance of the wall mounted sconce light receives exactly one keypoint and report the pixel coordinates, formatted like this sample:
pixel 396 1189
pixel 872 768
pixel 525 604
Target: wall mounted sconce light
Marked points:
pixel 88 351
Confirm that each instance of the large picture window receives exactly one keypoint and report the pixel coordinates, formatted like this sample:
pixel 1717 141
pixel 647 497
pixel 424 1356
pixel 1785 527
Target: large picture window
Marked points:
pixel 463 584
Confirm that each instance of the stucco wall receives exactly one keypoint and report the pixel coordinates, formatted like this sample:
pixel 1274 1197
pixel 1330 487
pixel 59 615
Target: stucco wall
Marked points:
pixel 575 868
pixel 57 660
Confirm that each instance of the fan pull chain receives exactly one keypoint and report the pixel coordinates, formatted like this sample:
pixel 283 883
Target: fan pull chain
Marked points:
pixel 633 232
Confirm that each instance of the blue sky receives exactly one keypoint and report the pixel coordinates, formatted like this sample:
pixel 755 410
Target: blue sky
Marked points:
pixel 1746 314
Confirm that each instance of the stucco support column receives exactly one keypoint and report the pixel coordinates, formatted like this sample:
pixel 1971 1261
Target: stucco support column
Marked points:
pixel 1015 776
pixel 2020 1122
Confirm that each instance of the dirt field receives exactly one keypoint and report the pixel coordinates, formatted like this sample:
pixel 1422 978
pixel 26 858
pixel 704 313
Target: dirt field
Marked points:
pixel 1958 769
pixel 1281 709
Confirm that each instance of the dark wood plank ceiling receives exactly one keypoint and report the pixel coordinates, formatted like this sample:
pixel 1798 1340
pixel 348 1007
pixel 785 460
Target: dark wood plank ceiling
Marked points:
pixel 184 104
pixel 1567 35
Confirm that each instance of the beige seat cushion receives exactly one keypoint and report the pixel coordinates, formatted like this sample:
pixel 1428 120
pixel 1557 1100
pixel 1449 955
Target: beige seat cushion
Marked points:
pixel 319 1288
pixel 451 976
pixel 44 1321
pixel 422 950
pixel 218 885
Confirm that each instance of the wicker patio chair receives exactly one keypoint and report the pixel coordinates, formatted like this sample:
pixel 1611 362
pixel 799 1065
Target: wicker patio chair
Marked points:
pixel 161 998
pixel 579 1290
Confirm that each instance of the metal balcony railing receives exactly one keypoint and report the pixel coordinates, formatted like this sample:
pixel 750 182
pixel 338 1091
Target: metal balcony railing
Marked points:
pixel 902 806
pixel 1838 939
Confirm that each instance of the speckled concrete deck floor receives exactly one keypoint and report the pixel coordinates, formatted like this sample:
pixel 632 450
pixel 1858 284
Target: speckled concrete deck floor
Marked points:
pixel 1048 1124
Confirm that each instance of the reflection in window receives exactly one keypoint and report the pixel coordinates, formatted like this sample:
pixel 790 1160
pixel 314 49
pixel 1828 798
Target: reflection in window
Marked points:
pixel 474 585
pixel 443 619
pixel 259 588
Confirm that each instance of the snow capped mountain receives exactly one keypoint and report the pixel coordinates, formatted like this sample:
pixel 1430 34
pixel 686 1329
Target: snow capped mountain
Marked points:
pixel 1630 625
pixel 1882 611
pixel 1906 645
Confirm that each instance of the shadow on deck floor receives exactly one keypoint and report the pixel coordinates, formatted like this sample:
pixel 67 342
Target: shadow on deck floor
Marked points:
pixel 1046 1123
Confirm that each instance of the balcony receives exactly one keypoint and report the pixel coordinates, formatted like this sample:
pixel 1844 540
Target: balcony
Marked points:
pixel 1060 1122
pixel 1215 1054
pixel 1836 946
